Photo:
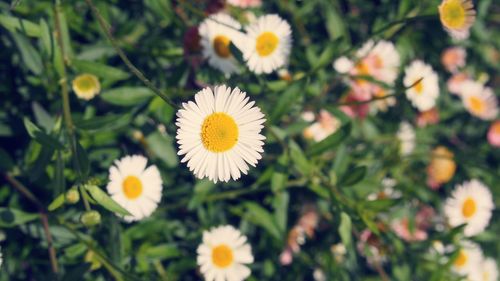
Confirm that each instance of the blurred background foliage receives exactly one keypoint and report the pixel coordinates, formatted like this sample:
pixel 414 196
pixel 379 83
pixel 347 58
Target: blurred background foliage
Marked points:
pixel 334 176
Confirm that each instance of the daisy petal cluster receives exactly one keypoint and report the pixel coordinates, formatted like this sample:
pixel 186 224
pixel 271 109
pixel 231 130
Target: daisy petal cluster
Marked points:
pixel 217 33
pixel 480 101
pixel 470 203
pixel 269 43
pixel 265 46
pixel 219 133
pixel 457 17
pixel 422 83
pixel 469 257
pixel 224 254
pixel 136 188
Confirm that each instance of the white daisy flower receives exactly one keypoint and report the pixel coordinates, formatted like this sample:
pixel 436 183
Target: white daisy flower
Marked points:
pixel 406 137
pixel 223 255
pixel 269 44
pixel 217 32
pixel 468 259
pixel 423 94
pixel 220 133
pixel 457 17
pixel 135 187
pixel 470 203
pixel 488 271
pixel 480 101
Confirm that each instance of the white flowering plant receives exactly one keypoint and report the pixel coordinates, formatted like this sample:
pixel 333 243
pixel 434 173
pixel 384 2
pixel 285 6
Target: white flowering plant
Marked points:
pixel 249 140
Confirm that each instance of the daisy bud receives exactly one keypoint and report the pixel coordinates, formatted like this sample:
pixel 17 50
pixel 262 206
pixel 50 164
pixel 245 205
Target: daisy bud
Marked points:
pixel 90 218
pixel 72 196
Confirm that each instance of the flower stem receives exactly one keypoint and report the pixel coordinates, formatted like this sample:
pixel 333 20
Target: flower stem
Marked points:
pixel 123 56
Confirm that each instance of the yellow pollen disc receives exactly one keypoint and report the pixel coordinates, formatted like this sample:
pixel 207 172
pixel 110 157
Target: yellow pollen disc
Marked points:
pixel 222 256
pixel 469 208
pixel 476 105
pixel 419 87
pixel 221 46
pixel 219 132
pixel 453 14
pixel 461 260
pixel 132 187
pixel 267 42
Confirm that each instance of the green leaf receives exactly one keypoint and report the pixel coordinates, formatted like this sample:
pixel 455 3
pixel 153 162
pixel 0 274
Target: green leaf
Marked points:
pixel 299 158
pixel 127 96
pixel 104 200
pixel 107 122
pixel 101 70
pixel 345 229
pixel 353 176
pixel 162 147
pixel 331 142
pixel 280 175
pixel 334 21
pixel 29 55
pixel 40 165
pixel 280 205
pixel 286 101
pixel 6 163
pixel 325 58
pixel 48 41
pixel 14 24
pixel 57 202
pixel 10 217
pixel 42 117
pixel 41 137
pixel 162 252
pixel 81 160
pixel 262 218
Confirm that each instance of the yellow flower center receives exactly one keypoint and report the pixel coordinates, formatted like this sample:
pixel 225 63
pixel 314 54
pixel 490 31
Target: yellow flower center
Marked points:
pixel 419 87
pixel 469 208
pixel 221 46
pixel 85 83
pixel 267 42
pixel 453 14
pixel 461 260
pixel 219 132
pixel 476 105
pixel 132 187
pixel 222 256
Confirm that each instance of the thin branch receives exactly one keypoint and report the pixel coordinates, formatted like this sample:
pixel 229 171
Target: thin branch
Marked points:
pixel 123 56
pixel 43 217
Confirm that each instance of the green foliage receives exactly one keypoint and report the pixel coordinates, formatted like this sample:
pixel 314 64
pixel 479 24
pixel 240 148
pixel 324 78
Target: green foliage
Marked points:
pixel 56 149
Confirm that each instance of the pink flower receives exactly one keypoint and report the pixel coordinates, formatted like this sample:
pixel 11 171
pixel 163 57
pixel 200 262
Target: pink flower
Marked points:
pixel 245 3
pixel 422 223
pixel 494 134
pixel 428 117
pixel 453 58
pixel 355 110
pixel 455 82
